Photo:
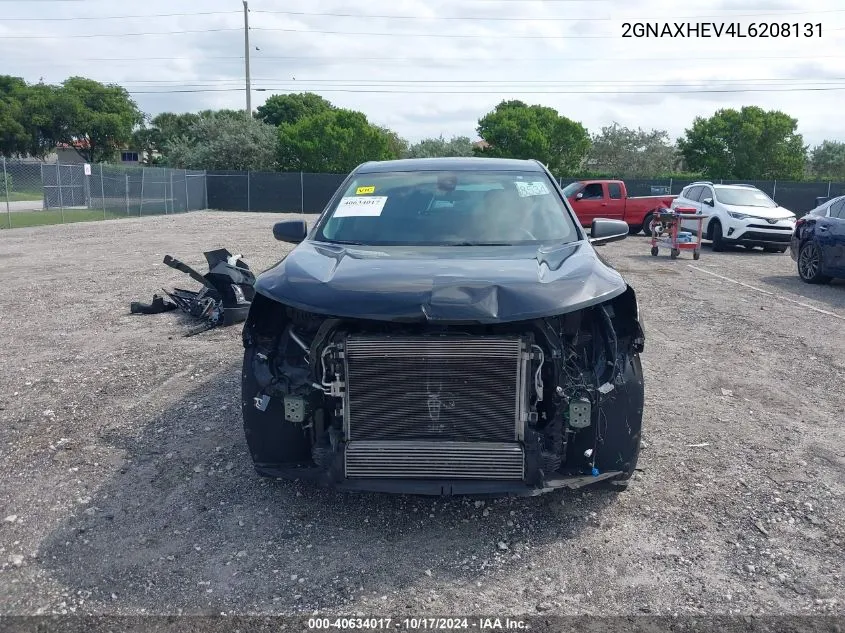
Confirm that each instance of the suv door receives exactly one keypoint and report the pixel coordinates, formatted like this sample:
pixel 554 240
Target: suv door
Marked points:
pixel 831 236
pixel 691 201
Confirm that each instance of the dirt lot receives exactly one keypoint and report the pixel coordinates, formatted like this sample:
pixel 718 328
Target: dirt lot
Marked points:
pixel 127 488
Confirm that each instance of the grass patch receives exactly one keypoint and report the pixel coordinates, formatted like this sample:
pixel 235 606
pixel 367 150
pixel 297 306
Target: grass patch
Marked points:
pixel 23 196
pixel 23 219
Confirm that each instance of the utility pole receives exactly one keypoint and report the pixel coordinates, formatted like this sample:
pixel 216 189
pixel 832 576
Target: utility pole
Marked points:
pixel 246 59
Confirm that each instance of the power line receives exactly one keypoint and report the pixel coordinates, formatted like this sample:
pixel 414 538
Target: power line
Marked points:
pixel 496 60
pixel 537 19
pixel 368 82
pixel 117 17
pixel 506 36
pixel 63 36
pixel 544 92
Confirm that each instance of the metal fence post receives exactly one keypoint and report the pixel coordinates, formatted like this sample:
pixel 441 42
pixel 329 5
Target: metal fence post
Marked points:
pixel 172 195
pixel 126 191
pixel 828 189
pixel 6 189
pixel 103 190
pixel 301 193
pixel 141 205
pixel 205 187
pixel 187 195
pixel 248 201
pixel 670 186
pixel 774 189
pixel 59 183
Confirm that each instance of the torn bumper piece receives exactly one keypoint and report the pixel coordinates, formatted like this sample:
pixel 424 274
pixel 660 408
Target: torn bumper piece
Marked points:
pixel 224 299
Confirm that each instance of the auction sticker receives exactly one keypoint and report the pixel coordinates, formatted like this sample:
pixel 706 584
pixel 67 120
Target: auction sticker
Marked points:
pixel 536 188
pixel 355 207
pixel 360 191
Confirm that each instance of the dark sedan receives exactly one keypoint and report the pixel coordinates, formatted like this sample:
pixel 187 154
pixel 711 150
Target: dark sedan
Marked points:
pixel 818 243
pixel 446 327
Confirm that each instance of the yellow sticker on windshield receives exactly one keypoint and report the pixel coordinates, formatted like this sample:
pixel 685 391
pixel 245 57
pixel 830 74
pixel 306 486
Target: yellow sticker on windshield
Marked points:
pixel 360 191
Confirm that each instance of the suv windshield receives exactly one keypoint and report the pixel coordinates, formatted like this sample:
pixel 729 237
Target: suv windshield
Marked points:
pixel 744 197
pixel 433 208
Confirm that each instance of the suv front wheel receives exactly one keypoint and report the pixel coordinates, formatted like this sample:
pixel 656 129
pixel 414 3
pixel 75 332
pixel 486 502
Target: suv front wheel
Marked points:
pixel 716 236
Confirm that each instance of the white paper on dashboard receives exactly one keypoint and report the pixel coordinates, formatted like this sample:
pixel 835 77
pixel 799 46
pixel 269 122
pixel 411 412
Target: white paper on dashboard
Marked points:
pixel 369 206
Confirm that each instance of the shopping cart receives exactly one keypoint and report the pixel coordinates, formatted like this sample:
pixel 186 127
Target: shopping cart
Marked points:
pixel 667 232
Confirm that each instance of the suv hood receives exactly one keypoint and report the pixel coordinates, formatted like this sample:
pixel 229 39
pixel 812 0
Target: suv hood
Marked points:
pixel 482 284
pixel 774 213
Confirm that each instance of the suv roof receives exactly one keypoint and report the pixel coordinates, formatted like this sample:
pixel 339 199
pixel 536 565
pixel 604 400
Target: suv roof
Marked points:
pixel 451 164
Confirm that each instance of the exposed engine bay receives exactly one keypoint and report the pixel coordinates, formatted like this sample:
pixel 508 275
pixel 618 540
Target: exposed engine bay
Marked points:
pixel 435 408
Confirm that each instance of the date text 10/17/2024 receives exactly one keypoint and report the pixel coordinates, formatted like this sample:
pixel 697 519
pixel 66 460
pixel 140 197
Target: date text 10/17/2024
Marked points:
pixel 722 29
pixel 482 625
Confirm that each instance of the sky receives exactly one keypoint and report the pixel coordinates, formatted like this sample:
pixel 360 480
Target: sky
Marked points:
pixel 431 67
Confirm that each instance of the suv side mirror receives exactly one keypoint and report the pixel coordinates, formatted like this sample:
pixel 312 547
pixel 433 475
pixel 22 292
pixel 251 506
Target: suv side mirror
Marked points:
pixel 579 195
pixel 708 201
pixel 603 231
pixel 293 231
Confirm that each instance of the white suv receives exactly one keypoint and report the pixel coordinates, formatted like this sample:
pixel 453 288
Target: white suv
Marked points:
pixel 738 214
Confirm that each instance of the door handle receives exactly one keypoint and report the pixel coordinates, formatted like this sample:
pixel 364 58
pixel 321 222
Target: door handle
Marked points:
pixel 604 204
pixel 822 228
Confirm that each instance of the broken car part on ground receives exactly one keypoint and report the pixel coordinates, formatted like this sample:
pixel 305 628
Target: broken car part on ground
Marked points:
pixel 446 328
pixel 226 294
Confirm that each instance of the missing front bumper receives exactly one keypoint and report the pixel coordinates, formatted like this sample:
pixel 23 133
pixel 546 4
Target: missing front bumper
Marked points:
pixel 496 461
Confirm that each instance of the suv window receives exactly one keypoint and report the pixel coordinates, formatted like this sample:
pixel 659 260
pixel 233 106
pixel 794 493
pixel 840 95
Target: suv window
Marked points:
pixel 837 209
pixel 706 192
pixel 614 190
pixel 693 193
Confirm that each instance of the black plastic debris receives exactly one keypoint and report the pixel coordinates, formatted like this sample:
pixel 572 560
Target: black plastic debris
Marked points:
pixel 224 299
pixel 157 306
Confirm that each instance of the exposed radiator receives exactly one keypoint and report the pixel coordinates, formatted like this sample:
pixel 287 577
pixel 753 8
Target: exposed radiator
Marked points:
pixel 447 388
pixel 434 460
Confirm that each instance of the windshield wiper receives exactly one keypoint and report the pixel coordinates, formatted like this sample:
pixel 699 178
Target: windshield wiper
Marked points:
pixel 478 244
pixel 345 242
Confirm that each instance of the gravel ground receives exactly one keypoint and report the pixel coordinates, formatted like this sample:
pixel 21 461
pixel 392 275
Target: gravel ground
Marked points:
pixel 127 488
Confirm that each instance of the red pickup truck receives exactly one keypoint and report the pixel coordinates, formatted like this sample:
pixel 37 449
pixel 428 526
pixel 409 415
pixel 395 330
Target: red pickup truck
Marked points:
pixel 593 199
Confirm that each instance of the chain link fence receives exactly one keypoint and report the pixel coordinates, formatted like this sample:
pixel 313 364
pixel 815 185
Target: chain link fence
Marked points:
pixel 35 193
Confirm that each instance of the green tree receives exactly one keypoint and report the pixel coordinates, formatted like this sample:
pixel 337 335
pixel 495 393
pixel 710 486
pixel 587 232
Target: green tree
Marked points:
pixel 154 135
pixel 219 141
pixel 440 147
pixel 632 153
pixel 333 141
pixel 750 143
pixel 100 118
pixel 15 138
pixel 516 130
pixel 828 160
pixel 280 109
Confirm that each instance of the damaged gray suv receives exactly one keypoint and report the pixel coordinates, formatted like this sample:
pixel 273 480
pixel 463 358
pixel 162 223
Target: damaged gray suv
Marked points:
pixel 445 327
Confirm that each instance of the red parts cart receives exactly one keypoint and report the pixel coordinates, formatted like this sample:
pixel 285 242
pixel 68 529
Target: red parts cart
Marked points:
pixel 667 232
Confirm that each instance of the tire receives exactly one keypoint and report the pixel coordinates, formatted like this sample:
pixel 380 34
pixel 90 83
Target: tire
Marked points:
pixel 696 255
pixel 810 264
pixel 774 249
pixel 716 236
pixel 646 227
pixel 654 251
pixel 633 229
pixel 674 253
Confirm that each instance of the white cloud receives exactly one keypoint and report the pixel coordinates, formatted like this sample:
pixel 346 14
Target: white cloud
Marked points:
pixel 539 58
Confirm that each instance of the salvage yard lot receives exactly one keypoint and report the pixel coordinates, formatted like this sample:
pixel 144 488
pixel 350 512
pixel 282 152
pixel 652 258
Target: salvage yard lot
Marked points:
pixel 127 487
